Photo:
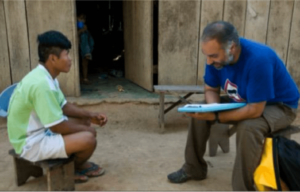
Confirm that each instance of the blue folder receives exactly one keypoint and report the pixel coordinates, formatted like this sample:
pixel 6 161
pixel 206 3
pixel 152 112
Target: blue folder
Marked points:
pixel 198 108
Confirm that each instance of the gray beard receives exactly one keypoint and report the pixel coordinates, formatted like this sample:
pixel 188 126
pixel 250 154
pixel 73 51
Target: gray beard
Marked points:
pixel 228 61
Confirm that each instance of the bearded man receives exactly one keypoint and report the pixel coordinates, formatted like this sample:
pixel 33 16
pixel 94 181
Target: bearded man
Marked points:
pixel 248 72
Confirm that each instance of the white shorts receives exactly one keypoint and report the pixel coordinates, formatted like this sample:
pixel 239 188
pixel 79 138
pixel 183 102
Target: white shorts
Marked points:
pixel 50 146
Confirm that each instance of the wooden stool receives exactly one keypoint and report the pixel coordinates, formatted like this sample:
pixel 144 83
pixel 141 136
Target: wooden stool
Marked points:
pixel 60 172
pixel 219 136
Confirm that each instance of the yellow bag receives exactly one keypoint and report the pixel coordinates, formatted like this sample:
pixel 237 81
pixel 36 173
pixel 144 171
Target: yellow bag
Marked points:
pixel 264 175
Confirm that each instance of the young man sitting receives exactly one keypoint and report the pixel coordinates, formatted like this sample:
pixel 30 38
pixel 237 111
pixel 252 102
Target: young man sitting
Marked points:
pixel 41 123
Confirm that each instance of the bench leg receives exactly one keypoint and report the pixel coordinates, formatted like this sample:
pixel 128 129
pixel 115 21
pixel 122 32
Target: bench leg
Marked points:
pixel 161 112
pixel 218 136
pixel 182 100
pixel 24 169
pixel 61 178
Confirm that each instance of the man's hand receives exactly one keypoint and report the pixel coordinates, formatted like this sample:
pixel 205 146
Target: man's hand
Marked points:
pixel 250 111
pixel 99 119
pixel 202 116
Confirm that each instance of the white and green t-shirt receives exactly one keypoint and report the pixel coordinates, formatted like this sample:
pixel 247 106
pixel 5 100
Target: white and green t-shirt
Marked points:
pixel 35 105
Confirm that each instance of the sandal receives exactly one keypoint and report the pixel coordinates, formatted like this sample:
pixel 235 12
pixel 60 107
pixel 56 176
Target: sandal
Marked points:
pixel 90 171
pixel 79 178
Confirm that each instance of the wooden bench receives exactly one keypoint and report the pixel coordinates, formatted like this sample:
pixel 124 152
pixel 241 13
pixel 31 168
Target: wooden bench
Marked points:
pixel 60 172
pixel 174 90
pixel 218 135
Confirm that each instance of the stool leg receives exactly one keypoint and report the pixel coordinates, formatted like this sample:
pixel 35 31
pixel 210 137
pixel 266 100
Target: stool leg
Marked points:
pixel 218 136
pixel 24 169
pixel 61 178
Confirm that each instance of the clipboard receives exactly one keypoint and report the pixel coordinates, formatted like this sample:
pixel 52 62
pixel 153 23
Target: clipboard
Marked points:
pixel 202 108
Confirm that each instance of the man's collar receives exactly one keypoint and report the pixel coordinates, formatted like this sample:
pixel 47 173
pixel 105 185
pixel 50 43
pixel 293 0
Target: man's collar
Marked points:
pixel 44 69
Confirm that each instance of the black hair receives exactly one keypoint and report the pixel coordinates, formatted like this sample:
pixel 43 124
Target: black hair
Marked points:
pixel 52 42
pixel 222 31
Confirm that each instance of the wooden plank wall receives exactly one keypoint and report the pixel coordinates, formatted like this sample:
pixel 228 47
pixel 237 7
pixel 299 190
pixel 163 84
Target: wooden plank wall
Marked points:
pixel 17 35
pixel 5 77
pixel 210 11
pixel 178 42
pixel 60 16
pixel 231 11
pixel 138 33
pixel 273 22
pixel 20 22
pixel 257 20
pixel 279 26
pixel 235 12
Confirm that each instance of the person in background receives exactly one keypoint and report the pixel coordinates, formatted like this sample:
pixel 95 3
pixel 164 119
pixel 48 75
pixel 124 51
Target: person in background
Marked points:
pixel 86 46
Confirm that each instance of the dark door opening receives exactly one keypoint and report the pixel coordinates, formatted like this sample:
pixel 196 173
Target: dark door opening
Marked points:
pixel 104 22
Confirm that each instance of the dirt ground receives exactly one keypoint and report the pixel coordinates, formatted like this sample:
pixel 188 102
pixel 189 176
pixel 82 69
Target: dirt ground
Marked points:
pixel 135 154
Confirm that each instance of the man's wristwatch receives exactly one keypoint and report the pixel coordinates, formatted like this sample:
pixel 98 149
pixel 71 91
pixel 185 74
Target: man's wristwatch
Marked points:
pixel 217 117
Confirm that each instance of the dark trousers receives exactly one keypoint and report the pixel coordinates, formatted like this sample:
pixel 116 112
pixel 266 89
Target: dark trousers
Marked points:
pixel 249 144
